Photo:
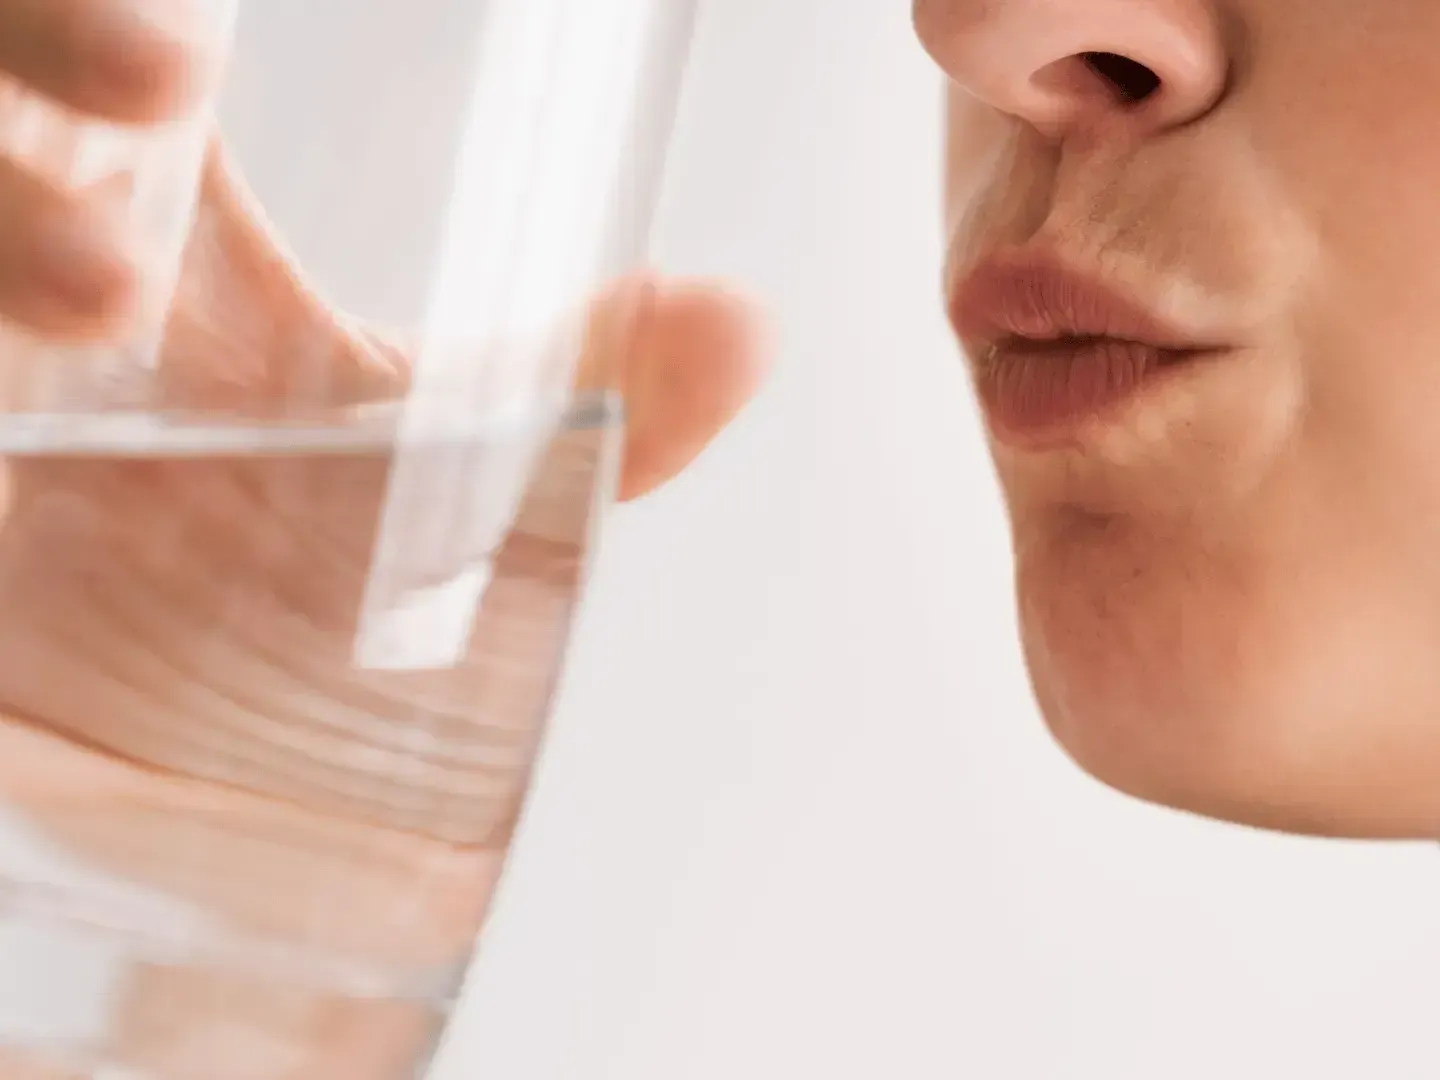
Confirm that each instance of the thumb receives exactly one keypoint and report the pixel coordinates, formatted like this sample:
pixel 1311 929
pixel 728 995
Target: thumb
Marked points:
pixel 686 358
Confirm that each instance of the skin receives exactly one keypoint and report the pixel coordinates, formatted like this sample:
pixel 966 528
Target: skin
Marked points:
pixel 1228 587
pixel 128 587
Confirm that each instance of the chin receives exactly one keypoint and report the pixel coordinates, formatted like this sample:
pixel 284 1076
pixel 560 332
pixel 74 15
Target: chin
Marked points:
pixel 1215 687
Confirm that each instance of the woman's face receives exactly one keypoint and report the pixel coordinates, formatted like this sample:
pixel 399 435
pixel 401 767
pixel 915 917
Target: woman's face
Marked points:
pixel 1199 289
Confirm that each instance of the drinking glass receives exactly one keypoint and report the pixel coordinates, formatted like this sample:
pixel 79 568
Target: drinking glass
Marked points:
pixel 287 571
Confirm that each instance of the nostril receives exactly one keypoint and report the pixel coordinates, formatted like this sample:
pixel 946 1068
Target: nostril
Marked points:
pixel 1130 81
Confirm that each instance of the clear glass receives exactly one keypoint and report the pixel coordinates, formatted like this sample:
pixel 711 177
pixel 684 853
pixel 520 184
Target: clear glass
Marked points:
pixel 287 571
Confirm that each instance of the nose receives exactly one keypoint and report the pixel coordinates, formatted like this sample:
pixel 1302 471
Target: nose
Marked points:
pixel 1065 65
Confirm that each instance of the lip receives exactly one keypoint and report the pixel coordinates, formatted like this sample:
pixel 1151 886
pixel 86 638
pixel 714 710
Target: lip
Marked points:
pixel 1055 350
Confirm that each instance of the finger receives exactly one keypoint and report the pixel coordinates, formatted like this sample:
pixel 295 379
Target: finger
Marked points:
pixel 272 870
pixel 687 356
pixel 63 269
pixel 695 358
pixel 274 876
pixel 126 60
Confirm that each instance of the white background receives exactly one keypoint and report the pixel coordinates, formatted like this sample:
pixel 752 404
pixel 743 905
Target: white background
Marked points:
pixel 798 818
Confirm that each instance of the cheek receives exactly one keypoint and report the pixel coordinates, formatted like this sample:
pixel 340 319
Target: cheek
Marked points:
pixel 986 189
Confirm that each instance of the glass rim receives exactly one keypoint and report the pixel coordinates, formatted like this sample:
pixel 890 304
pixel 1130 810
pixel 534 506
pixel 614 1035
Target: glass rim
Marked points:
pixel 337 430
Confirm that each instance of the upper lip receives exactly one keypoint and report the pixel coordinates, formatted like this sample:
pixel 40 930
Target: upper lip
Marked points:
pixel 1026 299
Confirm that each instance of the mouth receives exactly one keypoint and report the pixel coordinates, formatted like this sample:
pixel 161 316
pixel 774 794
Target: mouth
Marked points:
pixel 1055 352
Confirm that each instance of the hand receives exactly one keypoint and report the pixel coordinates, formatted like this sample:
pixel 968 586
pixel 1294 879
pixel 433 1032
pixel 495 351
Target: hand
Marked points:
pixel 149 614
pixel 67 260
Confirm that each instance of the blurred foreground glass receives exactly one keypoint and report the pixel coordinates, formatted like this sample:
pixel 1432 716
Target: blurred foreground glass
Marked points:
pixel 274 665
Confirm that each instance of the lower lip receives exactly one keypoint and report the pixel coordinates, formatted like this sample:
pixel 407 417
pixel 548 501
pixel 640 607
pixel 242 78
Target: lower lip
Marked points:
pixel 1039 392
